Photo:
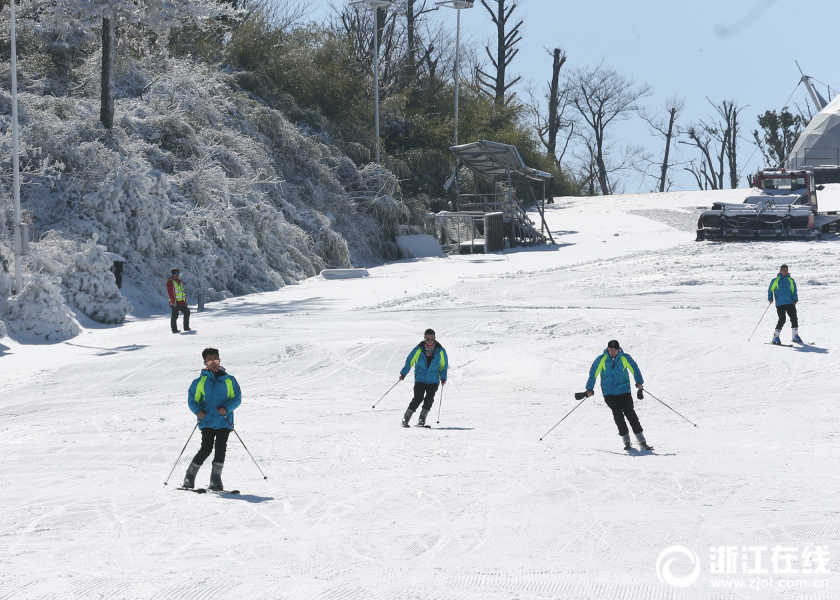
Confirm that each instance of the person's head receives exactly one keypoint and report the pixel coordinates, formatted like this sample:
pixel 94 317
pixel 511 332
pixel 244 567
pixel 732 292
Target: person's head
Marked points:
pixel 613 348
pixel 783 269
pixel 429 336
pixel 211 358
pixel 176 274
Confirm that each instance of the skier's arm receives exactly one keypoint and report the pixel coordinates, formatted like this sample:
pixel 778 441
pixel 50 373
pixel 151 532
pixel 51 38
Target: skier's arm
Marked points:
pixel 637 372
pixel 407 367
pixel 795 291
pixel 770 292
pixel 233 403
pixel 445 369
pixel 170 289
pixel 590 383
pixel 194 406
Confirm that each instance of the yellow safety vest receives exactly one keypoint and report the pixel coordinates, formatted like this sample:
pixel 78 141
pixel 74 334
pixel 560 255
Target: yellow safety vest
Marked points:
pixel 180 294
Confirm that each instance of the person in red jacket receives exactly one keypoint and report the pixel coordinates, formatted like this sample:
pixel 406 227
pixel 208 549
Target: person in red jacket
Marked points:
pixel 177 300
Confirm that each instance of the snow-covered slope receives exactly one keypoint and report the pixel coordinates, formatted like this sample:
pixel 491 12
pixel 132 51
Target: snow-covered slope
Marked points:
pixel 356 507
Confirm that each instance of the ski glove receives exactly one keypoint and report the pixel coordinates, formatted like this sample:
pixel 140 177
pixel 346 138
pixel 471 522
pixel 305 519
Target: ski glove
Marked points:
pixel 640 395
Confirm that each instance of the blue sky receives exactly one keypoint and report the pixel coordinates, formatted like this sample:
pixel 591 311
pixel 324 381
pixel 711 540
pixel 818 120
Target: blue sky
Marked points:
pixel 743 50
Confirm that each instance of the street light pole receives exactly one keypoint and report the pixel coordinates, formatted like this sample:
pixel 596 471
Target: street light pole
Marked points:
pixel 375 5
pixel 458 5
pixel 16 160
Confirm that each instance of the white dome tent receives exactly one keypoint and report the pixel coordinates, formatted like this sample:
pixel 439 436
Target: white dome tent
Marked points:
pixel 819 144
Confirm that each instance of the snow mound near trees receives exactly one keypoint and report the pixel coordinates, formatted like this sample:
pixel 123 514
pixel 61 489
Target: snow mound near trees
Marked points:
pixel 199 176
pixel 92 288
pixel 39 312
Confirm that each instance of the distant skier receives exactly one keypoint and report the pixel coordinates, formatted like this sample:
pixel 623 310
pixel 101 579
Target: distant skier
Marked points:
pixel 177 300
pixel 213 396
pixel 613 366
pixel 783 287
pixel 430 367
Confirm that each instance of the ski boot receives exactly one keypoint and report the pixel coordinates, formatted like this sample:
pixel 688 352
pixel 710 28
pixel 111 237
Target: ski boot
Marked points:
pixel 421 421
pixel 216 477
pixel 776 337
pixel 189 478
pixel 643 442
pixel 796 337
pixel 626 440
pixel 407 418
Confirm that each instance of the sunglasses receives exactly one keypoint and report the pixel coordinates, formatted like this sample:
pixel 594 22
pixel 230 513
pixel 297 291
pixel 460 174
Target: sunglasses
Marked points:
pixel 430 339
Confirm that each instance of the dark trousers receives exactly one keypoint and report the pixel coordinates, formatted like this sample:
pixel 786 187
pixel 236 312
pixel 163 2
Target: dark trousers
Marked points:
pixel 790 309
pixel 622 406
pixel 425 393
pixel 208 435
pixel 184 309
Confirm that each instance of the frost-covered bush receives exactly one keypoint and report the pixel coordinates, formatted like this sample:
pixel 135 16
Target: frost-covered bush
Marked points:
pixel 40 312
pixel 91 286
pixel 198 175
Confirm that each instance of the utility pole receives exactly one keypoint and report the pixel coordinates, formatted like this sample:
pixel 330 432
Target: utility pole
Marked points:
pixel 20 242
pixel 374 5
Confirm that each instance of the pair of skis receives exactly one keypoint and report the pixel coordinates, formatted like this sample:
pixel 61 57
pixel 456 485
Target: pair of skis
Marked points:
pixel 790 345
pixel 205 490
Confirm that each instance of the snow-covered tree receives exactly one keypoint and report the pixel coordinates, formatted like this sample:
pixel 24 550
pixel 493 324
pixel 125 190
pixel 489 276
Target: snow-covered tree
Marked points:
pixel 39 311
pixel 92 287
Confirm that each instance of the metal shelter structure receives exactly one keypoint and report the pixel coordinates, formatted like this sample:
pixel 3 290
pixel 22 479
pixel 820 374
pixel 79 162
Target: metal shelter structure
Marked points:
pixel 494 166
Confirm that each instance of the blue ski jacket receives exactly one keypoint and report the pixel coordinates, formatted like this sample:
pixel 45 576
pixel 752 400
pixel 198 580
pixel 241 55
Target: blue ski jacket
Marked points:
pixel 613 372
pixel 426 371
pixel 211 391
pixel 784 287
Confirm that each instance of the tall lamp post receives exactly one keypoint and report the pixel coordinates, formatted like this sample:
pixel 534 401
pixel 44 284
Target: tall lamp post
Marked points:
pixel 458 5
pixel 20 242
pixel 374 5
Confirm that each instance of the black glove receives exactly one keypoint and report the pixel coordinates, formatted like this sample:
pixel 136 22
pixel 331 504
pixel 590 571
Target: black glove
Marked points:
pixel 580 395
pixel 640 395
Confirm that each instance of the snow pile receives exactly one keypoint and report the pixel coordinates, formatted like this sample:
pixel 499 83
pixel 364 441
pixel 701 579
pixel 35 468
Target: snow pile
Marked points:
pixel 40 312
pixel 92 287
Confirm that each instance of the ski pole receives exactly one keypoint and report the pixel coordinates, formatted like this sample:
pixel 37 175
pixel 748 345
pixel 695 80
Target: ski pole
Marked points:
pixel 564 418
pixel 660 401
pixel 180 455
pixel 246 448
pixel 759 322
pixel 386 393
pixel 440 404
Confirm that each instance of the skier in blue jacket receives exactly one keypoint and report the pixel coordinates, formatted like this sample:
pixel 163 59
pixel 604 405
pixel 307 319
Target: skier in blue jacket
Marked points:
pixel 783 287
pixel 212 397
pixel 430 367
pixel 613 366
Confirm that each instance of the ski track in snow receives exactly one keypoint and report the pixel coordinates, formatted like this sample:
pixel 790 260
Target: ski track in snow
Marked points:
pixel 356 507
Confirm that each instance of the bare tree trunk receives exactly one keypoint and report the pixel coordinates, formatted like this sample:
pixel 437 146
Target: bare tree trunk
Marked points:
pixel 411 63
pixel 506 41
pixel 106 103
pixel 554 103
pixel 668 137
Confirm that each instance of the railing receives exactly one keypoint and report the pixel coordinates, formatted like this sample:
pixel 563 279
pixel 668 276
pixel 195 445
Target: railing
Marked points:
pixel 814 157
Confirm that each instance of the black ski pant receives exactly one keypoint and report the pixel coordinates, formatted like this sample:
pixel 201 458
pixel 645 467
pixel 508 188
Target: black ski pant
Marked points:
pixel 622 406
pixel 175 310
pixel 208 436
pixel 790 309
pixel 423 393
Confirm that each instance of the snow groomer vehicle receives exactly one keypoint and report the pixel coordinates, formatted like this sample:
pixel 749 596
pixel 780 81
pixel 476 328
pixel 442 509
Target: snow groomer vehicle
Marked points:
pixel 782 205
